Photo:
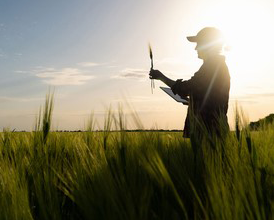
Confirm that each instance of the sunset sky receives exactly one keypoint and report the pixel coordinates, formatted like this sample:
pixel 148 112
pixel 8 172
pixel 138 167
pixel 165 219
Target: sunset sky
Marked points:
pixel 95 54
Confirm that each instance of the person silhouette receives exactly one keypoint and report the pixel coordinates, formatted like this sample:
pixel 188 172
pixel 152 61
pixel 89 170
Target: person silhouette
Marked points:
pixel 208 89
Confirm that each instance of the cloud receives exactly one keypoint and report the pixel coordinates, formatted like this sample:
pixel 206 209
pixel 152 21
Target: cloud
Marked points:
pixel 256 96
pixel 129 73
pixel 16 99
pixel 89 64
pixel 138 99
pixel 169 61
pixel 253 87
pixel 252 98
pixel 242 101
pixel 64 76
pixel 21 71
pixel 3 55
pixel 262 95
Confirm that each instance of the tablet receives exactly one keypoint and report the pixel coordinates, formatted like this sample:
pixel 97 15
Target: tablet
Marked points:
pixel 175 97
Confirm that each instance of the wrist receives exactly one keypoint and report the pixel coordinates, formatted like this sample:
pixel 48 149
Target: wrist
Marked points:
pixel 161 76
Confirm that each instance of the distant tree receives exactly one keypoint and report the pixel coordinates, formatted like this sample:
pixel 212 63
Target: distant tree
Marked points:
pixel 262 122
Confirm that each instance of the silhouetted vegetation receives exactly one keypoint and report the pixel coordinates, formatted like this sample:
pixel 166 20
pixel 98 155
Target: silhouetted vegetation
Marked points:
pixel 268 120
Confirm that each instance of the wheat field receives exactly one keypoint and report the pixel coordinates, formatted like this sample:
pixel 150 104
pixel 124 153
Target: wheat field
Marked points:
pixel 134 175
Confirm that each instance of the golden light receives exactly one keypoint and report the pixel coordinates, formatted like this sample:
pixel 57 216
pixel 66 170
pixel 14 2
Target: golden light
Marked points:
pixel 248 33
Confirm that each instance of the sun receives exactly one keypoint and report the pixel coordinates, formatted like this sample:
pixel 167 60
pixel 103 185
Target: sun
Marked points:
pixel 249 38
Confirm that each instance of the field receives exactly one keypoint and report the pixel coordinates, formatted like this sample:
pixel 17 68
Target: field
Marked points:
pixel 134 175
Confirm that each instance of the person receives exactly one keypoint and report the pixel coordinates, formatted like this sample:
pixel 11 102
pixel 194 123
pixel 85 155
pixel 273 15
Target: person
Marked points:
pixel 208 89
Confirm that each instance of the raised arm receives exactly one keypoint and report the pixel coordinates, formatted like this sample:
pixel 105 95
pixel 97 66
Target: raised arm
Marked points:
pixel 156 74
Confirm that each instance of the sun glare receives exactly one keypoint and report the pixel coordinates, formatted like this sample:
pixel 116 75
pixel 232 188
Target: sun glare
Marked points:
pixel 249 37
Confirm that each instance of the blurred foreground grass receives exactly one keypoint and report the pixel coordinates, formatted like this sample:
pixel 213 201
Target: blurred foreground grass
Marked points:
pixel 141 175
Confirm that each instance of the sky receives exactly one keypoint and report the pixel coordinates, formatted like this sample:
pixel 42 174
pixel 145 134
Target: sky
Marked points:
pixel 94 55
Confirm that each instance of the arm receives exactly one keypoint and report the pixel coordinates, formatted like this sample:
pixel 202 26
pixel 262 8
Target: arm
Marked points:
pixel 169 82
pixel 156 74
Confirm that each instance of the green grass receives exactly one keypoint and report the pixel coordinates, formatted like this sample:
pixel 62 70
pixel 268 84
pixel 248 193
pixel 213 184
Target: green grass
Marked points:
pixel 134 175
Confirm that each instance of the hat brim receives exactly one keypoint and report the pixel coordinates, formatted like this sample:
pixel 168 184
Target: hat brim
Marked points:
pixel 192 38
